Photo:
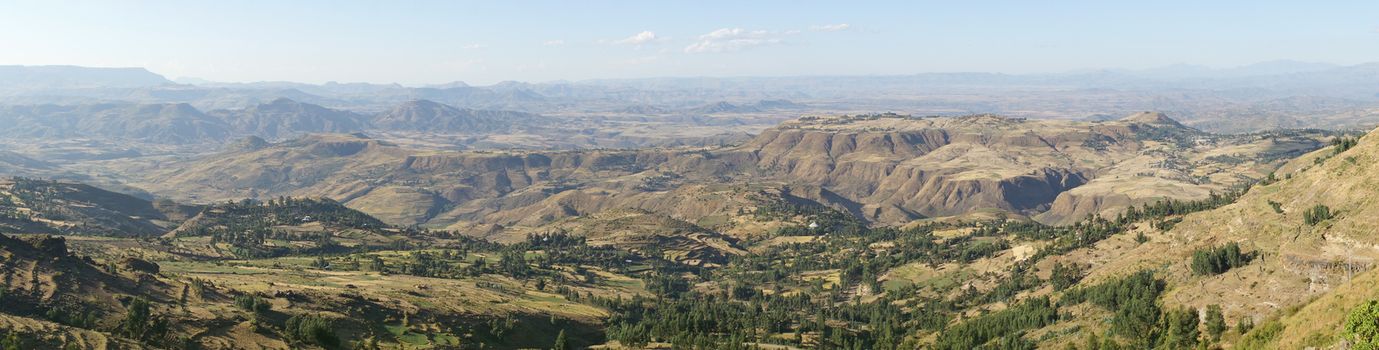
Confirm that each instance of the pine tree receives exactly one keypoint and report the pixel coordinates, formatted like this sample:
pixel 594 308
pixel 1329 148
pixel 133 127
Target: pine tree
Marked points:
pixel 560 342
pixel 1216 323
pixel 1180 330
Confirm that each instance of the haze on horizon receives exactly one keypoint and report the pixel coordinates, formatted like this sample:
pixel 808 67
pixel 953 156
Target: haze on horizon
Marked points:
pixel 430 42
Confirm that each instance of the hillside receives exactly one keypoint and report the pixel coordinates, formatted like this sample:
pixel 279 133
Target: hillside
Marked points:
pixel 248 274
pixel 884 169
pixel 53 298
pixel 159 123
pixel 424 298
pixel 41 206
pixel 1308 269
pixel 15 164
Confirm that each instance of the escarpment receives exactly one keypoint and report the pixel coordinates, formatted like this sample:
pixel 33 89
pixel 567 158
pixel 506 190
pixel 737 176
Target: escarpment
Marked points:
pixel 885 170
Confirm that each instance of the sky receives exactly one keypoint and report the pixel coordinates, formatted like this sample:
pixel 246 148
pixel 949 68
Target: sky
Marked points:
pixel 484 42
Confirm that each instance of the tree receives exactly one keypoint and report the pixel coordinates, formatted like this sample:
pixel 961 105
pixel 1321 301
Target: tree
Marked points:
pixel 1216 323
pixel 12 342
pixel 1362 326
pixel 1244 325
pixel 1317 214
pixel 312 329
pixel 1064 276
pixel 1214 260
pixel 1180 329
pixel 140 323
pixel 376 264
pixel 560 343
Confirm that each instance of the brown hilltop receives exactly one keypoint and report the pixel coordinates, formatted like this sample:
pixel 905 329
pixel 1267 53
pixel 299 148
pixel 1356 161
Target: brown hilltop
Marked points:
pixel 1153 118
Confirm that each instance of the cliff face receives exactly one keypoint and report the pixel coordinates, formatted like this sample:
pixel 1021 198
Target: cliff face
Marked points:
pixel 884 170
pixel 935 168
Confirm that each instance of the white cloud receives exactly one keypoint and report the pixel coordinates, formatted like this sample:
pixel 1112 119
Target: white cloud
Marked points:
pixel 554 42
pixel 645 36
pixel 474 46
pixel 733 39
pixel 831 27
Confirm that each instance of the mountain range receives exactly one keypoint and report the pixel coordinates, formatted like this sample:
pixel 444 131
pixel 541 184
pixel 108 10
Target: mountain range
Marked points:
pixel 1279 94
pixel 1179 207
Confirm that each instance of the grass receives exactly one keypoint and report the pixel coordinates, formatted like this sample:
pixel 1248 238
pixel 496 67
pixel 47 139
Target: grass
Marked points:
pixel 406 336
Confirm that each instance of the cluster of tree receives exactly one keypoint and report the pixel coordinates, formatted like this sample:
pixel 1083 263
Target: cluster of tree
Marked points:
pixel 1215 260
pixel 1317 214
pixel 141 323
pixel 1133 301
pixel 312 329
pixel 825 219
pixel 975 332
pixel 253 303
pixel 1342 144
pixel 249 222
pixel 75 316
pixel 1065 275
pixel 1139 318
pixel 714 321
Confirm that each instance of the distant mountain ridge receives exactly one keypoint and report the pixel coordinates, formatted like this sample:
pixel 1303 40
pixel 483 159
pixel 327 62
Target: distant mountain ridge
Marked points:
pixel 74 77
pixel 1253 97
pixel 425 115
pixel 181 123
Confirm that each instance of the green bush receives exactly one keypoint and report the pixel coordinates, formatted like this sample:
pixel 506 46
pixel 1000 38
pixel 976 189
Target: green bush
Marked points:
pixel 1362 326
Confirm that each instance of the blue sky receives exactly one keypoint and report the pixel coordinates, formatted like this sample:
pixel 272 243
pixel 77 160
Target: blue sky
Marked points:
pixel 483 42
